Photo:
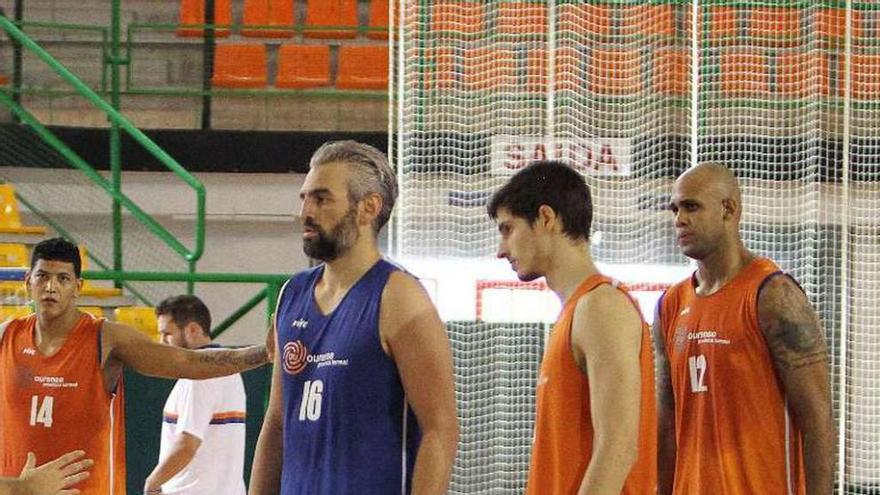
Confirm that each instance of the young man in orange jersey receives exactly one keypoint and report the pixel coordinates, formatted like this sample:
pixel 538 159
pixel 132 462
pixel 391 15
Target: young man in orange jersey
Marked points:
pixel 61 373
pixel 56 477
pixel 743 383
pixel 595 430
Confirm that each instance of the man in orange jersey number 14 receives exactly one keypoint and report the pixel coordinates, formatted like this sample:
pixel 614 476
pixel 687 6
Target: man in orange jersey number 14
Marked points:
pixel 743 381
pixel 203 421
pixel 61 373
pixel 596 429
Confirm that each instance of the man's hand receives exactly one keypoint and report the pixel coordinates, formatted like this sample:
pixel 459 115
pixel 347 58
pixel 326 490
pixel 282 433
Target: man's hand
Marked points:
pixel 55 477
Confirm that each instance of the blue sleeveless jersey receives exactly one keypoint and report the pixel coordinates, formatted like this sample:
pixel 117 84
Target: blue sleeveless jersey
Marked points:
pixel 347 427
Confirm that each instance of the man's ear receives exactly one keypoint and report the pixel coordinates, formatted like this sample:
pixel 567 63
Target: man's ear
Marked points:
pixel 370 207
pixel 547 217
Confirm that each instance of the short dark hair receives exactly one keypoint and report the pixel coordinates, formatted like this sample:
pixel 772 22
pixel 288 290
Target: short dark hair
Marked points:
pixel 184 309
pixel 57 249
pixel 550 183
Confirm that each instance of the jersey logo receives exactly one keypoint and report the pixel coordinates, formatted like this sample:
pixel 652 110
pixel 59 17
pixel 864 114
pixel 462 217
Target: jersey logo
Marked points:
pixel 299 323
pixel 295 357
pixel 30 351
pixel 685 311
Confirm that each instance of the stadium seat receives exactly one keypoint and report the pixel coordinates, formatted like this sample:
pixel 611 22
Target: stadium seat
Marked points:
pixel 193 12
pixel 4 79
pixel 275 13
pixel 723 23
pixel 441 71
pixel 239 66
pixel 9 312
pixel 584 18
pixel 303 66
pixel 14 255
pixel 96 311
pixel 831 23
pixel 774 23
pixel 489 69
pixel 802 74
pixel 378 20
pixel 142 318
pixel 670 74
pixel 521 18
pixel 866 76
pixel 10 216
pixel 89 289
pixel 648 20
pixel 362 67
pixel 460 17
pixel 744 73
pixel 335 19
pixel 569 70
pixel 614 72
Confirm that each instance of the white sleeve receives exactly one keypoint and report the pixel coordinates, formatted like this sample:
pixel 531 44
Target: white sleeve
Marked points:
pixel 196 407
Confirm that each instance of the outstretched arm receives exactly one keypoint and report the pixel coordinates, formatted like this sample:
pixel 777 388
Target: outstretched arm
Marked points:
pixel 606 336
pixel 799 353
pixel 131 348
pixel 53 478
pixel 417 342
pixel 666 450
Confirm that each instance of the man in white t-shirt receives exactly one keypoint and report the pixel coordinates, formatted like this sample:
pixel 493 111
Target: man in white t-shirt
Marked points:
pixel 203 422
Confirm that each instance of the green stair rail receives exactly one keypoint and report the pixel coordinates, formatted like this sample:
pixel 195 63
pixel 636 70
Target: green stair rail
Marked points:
pixel 112 188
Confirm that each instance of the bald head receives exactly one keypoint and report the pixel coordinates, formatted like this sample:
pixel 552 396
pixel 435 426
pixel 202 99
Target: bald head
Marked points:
pixel 714 179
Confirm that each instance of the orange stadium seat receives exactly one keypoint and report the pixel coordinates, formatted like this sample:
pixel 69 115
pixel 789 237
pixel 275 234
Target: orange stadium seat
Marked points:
pixel 239 66
pixel 4 80
pixel 362 67
pixel 331 19
pixel 193 12
pixel 744 72
pixel 275 13
pixel 14 256
pixel 303 66
pixel 615 72
pixel 775 23
pixel 723 23
pixel 142 318
pixel 521 18
pixel 569 70
pixel 88 288
pixel 670 74
pixel 489 68
pixel 378 20
pixel 801 74
pixel 458 16
pixel 866 76
pixel 441 72
pixel 10 216
pixel 831 23
pixel 10 312
pixel 584 18
pixel 648 20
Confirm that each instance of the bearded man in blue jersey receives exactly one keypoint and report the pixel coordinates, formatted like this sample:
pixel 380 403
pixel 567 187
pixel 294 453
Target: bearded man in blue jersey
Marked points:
pixel 362 397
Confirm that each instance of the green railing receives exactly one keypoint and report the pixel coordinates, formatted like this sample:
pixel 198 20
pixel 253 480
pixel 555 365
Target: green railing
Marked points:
pixel 119 123
pixel 272 286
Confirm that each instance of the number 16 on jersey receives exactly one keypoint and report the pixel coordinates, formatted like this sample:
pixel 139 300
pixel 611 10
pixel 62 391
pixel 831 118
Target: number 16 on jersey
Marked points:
pixel 310 407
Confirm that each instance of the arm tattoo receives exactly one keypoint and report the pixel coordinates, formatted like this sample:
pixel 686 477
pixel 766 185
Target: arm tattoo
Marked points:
pixel 792 330
pixel 249 356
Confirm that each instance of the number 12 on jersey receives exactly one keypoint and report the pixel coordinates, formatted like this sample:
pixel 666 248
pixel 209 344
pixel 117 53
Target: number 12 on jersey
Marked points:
pixel 41 411
pixel 310 407
pixel 698 366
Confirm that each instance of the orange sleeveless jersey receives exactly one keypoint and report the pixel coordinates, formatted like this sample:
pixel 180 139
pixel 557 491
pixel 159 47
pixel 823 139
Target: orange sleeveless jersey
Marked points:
pixel 53 405
pixel 563 428
pixel 733 432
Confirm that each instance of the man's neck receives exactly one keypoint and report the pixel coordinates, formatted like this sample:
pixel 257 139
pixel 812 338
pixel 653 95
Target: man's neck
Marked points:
pixel 571 264
pixel 715 271
pixel 343 272
pixel 56 328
